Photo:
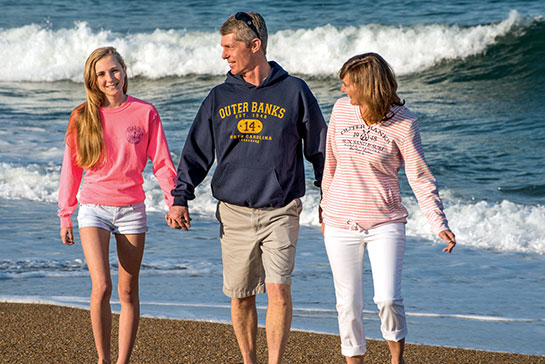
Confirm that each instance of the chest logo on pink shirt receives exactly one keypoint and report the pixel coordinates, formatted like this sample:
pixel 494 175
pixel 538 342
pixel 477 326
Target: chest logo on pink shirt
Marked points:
pixel 134 134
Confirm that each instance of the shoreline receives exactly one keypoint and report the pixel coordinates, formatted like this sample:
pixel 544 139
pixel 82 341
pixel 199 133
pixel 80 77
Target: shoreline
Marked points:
pixel 43 333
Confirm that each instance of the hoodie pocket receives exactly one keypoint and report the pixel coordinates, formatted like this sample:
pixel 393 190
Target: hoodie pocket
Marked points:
pixel 247 186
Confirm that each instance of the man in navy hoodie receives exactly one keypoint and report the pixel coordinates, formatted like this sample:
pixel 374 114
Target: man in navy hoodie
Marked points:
pixel 258 124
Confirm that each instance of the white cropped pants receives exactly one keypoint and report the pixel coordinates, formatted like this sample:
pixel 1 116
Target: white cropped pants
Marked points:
pixel 346 250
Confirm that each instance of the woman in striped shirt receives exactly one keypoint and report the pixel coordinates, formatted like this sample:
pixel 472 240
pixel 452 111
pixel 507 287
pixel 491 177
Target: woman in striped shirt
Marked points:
pixel 371 135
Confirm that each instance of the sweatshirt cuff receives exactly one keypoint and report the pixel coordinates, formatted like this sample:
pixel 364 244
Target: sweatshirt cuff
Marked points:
pixel 66 222
pixel 179 201
pixel 169 200
pixel 438 227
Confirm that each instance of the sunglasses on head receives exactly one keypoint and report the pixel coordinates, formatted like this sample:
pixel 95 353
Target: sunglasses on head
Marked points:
pixel 242 16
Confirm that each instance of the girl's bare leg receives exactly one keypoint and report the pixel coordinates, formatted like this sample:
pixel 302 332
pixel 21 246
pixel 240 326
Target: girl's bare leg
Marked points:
pixel 130 249
pixel 95 243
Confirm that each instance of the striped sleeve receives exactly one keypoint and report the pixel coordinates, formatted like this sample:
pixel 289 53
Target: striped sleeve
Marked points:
pixel 422 181
pixel 330 160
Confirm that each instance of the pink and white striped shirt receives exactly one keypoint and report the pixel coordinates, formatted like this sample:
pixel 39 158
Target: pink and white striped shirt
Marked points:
pixel 360 182
pixel 133 133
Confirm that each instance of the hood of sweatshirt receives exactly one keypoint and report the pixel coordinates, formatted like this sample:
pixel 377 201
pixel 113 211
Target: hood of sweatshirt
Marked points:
pixel 277 74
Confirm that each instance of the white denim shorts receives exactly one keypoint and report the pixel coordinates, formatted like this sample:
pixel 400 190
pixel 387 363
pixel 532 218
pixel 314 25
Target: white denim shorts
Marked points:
pixel 129 219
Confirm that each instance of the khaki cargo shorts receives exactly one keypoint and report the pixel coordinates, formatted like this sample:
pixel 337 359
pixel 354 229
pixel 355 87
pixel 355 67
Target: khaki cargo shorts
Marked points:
pixel 257 246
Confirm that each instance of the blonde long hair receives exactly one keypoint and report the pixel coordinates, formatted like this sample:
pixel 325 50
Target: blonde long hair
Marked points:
pixel 375 83
pixel 85 119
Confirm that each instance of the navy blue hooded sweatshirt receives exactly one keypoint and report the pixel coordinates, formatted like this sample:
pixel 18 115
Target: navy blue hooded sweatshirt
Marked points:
pixel 259 135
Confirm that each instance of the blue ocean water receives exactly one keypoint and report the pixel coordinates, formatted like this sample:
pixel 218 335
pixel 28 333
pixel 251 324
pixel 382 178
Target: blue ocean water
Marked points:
pixel 472 72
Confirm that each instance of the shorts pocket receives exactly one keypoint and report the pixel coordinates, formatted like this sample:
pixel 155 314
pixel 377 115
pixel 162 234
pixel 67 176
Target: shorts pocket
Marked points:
pixel 139 207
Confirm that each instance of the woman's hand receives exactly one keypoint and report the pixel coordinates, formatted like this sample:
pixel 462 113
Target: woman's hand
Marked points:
pixel 449 238
pixel 67 236
pixel 321 219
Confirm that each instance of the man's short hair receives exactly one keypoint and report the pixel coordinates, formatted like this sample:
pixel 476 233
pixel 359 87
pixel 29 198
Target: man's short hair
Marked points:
pixel 243 32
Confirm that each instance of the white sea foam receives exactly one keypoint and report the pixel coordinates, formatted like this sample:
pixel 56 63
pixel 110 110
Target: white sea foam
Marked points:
pixel 83 302
pixel 43 274
pixel 66 301
pixel 42 54
pixel 504 226
pixel 32 182
pixel 29 299
pixel 53 268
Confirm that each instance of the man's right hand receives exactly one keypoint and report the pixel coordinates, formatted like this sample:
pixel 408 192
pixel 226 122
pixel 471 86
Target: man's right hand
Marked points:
pixel 178 218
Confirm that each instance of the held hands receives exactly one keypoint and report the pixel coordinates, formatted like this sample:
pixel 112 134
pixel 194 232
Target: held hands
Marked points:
pixel 67 236
pixel 449 238
pixel 178 218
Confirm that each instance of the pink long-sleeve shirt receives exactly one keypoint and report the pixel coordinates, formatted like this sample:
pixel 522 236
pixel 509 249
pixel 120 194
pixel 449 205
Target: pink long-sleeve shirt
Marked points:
pixel 360 182
pixel 132 133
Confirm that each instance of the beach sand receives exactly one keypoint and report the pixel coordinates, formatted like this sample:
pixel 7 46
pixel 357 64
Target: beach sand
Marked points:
pixel 41 334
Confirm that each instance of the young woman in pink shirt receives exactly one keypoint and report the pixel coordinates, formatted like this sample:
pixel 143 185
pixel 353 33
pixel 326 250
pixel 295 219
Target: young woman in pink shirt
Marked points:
pixel 371 135
pixel 110 137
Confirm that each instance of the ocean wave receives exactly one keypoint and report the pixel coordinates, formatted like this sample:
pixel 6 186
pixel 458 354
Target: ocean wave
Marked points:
pixel 40 183
pixel 32 182
pixel 516 54
pixel 54 268
pixel 42 268
pixel 502 226
pixel 39 53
